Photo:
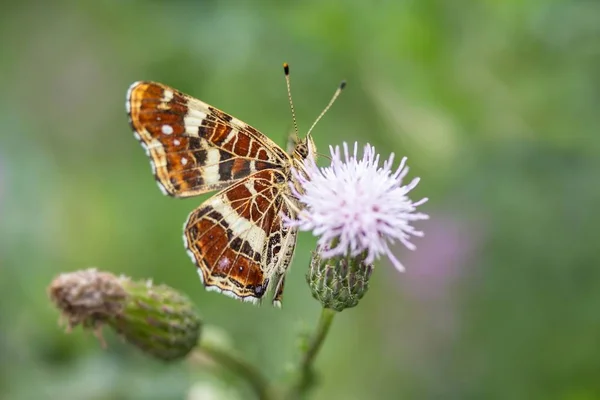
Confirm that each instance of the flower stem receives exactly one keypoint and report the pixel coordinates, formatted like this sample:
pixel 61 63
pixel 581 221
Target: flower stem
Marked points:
pixel 241 368
pixel 317 339
pixel 306 377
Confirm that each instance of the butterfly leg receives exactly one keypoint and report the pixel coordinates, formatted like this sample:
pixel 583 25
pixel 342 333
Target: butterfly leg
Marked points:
pixel 279 280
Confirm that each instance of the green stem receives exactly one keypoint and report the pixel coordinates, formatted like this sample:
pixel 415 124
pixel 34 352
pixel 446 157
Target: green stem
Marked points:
pixel 317 339
pixel 240 367
pixel 306 372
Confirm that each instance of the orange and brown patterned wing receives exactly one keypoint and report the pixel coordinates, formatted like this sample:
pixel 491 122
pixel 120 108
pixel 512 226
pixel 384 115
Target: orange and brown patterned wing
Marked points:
pixel 238 240
pixel 193 147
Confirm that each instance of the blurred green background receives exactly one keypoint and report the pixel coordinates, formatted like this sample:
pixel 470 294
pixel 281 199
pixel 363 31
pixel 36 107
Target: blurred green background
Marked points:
pixel 496 104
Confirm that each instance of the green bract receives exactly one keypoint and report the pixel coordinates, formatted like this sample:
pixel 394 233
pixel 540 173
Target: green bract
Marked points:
pixel 339 282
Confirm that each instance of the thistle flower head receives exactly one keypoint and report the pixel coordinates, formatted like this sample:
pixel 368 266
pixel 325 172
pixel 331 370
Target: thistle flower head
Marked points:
pixel 355 206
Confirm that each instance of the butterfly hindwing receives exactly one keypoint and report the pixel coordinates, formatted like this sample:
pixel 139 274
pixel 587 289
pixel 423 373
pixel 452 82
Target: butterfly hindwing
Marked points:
pixel 235 237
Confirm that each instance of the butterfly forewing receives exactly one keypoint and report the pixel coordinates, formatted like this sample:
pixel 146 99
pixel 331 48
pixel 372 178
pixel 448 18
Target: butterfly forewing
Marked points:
pixel 193 147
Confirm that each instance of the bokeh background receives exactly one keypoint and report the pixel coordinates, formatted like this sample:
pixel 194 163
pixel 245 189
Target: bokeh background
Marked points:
pixel 496 104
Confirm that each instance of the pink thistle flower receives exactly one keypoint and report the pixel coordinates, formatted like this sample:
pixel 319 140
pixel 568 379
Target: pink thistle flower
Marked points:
pixel 357 207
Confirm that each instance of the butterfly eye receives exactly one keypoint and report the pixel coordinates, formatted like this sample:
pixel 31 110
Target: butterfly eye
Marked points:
pixel 302 150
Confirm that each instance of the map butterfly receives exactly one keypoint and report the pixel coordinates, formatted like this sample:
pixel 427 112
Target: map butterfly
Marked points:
pixel 236 238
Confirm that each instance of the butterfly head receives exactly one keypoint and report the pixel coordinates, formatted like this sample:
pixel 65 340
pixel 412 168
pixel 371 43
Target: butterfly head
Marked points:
pixel 303 151
pixel 305 148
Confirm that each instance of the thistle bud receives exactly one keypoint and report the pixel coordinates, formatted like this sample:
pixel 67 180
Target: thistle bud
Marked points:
pixel 157 319
pixel 338 282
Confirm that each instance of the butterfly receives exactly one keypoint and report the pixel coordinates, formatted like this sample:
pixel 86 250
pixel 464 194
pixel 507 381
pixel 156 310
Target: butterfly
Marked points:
pixel 237 238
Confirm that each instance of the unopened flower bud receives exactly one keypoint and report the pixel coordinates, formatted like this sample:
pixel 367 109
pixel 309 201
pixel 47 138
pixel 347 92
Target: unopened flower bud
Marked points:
pixel 157 319
pixel 338 282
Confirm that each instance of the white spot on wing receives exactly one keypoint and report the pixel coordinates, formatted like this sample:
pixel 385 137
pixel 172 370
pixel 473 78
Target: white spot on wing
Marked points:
pixel 193 119
pixel 211 169
pixel 167 129
pixel 176 142
pixel 167 96
pixel 184 161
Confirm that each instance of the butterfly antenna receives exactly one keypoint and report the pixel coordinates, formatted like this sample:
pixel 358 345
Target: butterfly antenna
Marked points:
pixel 335 96
pixel 286 70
